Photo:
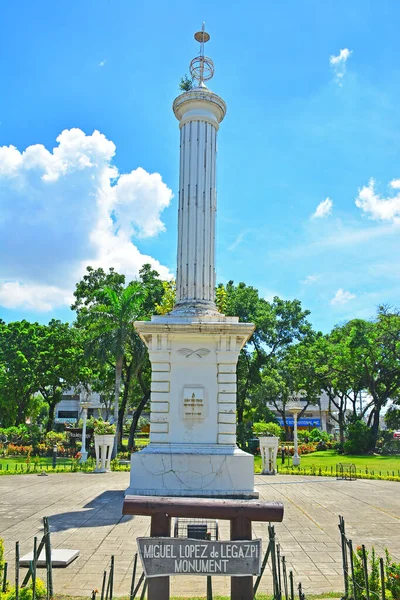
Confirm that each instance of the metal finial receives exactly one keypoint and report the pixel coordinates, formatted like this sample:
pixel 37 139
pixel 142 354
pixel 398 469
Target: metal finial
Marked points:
pixel 202 67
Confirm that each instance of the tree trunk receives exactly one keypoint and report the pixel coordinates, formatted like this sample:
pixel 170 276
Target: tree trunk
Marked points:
pixel 375 426
pixel 118 373
pixel 124 402
pixel 240 410
pixel 341 427
pixel 21 413
pixel 136 417
pixel 50 421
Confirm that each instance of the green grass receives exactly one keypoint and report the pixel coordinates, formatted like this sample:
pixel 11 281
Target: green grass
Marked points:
pixel 330 458
pixel 369 467
pixel 14 461
pixel 259 597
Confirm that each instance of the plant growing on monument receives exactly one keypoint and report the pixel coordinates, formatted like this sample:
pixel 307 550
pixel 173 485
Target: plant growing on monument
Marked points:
pixel 186 84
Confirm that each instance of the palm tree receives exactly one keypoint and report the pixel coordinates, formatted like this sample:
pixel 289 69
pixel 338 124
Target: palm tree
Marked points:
pixel 111 330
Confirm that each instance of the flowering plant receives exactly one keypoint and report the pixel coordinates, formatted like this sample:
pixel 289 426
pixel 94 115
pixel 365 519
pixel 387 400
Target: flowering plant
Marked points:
pixel 392 572
pixel 103 428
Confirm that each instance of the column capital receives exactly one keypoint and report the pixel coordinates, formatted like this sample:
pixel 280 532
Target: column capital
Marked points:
pixel 199 104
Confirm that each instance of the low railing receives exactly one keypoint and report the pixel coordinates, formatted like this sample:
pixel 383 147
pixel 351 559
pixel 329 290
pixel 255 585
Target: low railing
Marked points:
pixel 330 471
pixel 379 581
pixel 346 471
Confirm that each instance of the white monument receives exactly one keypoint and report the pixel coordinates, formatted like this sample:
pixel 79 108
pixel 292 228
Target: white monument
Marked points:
pixel 194 349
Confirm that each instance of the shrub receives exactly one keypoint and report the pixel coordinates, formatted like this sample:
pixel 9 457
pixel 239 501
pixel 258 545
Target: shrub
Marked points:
pixel 16 435
pixel 14 450
pixel 103 428
pixel 386 444
pixel 358 438
pixel 392 573
pixel 26 592
pixel 261 428
pixel 52 438
pixel 303 435
pixel 316 435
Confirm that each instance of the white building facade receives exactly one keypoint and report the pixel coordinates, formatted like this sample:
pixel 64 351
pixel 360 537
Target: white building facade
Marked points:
pixel 315 415
pixel 68 409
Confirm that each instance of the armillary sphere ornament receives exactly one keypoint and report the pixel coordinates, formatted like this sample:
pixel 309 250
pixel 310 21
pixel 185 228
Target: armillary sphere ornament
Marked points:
pixel 202 67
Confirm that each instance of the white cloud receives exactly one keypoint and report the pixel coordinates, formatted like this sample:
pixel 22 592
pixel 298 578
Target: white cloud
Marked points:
pixel 37 297
pixel 310 279
pixel 338 64
pixel 238 240
pixel 377 207
pixel 102 63
pixel 64 209
pixel 323 209
pixel 342 297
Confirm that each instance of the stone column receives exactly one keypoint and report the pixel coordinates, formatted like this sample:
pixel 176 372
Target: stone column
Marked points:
pixel 199 113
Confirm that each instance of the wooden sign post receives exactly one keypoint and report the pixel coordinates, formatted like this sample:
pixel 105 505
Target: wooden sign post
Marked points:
pixel 164 552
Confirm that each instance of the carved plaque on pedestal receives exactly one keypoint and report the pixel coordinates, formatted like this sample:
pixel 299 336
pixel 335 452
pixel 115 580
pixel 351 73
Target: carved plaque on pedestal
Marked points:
pixel 193 403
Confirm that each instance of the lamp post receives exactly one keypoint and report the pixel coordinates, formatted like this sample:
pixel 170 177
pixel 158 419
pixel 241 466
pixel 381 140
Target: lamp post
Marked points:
pixel 84 406
pixel 295 409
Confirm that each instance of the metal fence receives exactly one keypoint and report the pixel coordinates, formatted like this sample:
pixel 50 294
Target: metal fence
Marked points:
pixel 366 576
pixel 346 471
pixel 330 471
pixel 30 578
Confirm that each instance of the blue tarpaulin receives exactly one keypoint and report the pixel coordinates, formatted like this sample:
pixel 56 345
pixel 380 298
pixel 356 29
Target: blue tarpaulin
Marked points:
pixel 303 422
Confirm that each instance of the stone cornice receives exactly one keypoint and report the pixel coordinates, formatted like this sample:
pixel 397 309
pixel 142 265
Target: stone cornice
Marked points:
pixel 199 99
pixel 210 327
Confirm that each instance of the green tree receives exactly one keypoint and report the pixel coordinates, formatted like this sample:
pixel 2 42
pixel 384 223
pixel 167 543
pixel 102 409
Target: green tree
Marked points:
pixel 168 299
pixel 18 371
pixel 60 363
pixel 378 349
pixel 110 331
pixel 340 374
pixel 392 418
pixel 37 358
pixel 278 325
pixel 89 295
pixel 289 375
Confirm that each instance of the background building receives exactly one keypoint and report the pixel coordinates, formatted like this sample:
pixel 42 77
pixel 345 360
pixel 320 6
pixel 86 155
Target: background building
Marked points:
pixel 315 415
pixel 68 410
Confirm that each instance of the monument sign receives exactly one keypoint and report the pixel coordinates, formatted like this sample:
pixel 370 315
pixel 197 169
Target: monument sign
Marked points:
pixel 176 556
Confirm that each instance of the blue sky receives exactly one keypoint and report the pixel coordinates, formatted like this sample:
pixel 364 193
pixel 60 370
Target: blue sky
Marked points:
pixel 312 92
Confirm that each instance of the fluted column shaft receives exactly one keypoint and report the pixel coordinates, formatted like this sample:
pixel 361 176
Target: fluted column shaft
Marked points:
pixel 199 113
pixel 196 216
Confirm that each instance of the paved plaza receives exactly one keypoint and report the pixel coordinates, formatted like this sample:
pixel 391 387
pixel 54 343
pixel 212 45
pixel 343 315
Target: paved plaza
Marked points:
pixel 84 512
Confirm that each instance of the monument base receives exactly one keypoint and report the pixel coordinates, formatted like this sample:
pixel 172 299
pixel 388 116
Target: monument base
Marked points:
pixel 201 471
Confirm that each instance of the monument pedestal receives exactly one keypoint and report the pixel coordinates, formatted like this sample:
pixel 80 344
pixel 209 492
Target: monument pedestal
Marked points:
pixel 208 471
pixel 192 449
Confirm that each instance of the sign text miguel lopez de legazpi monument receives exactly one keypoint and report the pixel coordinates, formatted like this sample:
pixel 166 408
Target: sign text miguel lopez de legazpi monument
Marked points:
pixel 194 349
